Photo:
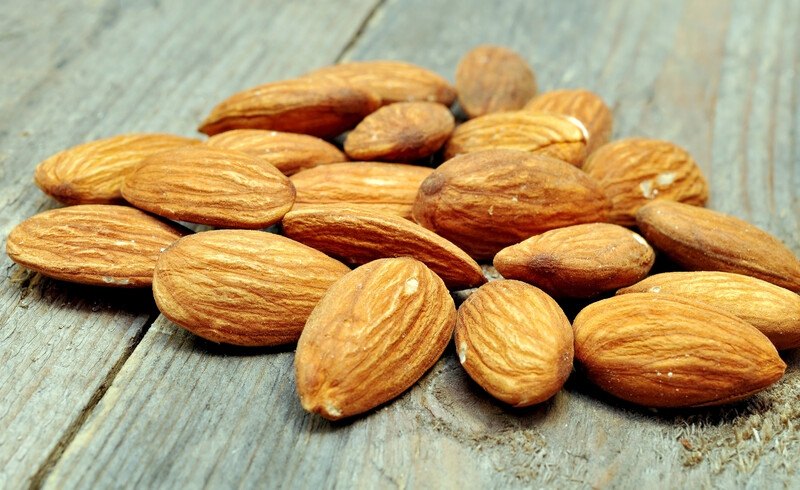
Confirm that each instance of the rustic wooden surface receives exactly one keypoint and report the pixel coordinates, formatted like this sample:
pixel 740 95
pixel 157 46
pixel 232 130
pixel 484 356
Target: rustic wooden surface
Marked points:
pixel 93 395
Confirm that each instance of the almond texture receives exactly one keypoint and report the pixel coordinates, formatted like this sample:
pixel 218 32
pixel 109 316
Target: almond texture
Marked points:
pixel 578 261
pixel 486 201
pixel 702 239
pixel 288 152
pixel 404 131
pixel 373 335
pixel 210 186
pixel 92 173
pixel 358 236
pixel 515 341
pixel 583 105
pixel 660 350
pixel 97 244
pixel 242 287
pixel 636 171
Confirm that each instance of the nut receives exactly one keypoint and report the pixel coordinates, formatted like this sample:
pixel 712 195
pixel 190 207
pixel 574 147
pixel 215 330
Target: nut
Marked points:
pixel 583 105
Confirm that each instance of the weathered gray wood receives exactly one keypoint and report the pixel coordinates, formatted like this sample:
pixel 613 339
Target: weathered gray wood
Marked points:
pixel 74 71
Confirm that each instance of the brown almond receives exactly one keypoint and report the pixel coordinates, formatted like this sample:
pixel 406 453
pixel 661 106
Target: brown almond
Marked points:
pixel 515 341
pixel 393 81
pixel 385 187
pixel 404 131
pixel 357 236
pixel 288 152
pixel 92 173
pixel 210 186
pixel 96 244
pixel 702 239
pixel 578 261
pixel 242 287
pixel 636 171
pixel 319 106
pixel 373 335
pixel 583 105
pixel 660 350
pixel 486 201
pixel 773 310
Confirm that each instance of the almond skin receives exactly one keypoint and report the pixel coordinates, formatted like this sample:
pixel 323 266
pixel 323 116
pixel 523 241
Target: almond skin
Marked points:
pixel 515 341
pixel 493 79
pixel 486 201
pixel 773 310
pixel 578 261
pixel 210 186
pixel 583 105
pixel 392 81
pixel 242 287
pixel 319 106
pixel 404 131
pixel 96 244
pixel 373 335
pixel 93 172
pixel 636 171
pixel 702 239
pixel 288 152
pixel 357 236
pixel 385 187
pixel 551 135
pixel 660 350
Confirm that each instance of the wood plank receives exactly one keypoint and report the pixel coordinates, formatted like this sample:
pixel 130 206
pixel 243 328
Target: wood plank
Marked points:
pixel 690 72
pixel 80 71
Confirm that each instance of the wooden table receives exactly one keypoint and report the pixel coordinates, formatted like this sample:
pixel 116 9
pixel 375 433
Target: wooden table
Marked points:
pixel 97 390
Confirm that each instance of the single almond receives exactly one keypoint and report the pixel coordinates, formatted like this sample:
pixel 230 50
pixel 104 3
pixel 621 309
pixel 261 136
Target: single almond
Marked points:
pixel 373 335
pixel 583 105
pixel 660 350
pixel 515 341
pixel 578 261
pixel 357 236
pixel 93 172
pixel 636 171
pixel 773 310
pixel 210 186
pixel 242 287
pixel 404 131
pixel 385 187
pixel 96 244
pixel 288 152
pixel 486 201
pixel 392 81
pixel 702 239
pixel 493 79
pixel 319 106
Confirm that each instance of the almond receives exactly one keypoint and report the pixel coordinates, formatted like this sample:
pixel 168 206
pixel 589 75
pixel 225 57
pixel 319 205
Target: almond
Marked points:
pixel 702 239
pixel 92 173
pixel 660 350
pixel 393 81
pixel 773 310
pixel 404 131
pixel 493 79
pixel 583 105
pixel 288 152
pixel 515 341
pixel 489 200
pixel 636 171
pixel 385 187
pixel 373 335
pixel 319 106
pixel 210 186
pixel 578 261
pixel 97 244
pixel 242 287
pixel 358 236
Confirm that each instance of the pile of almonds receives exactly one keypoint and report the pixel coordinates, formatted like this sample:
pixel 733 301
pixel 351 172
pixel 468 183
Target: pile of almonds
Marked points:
pixel 416 202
